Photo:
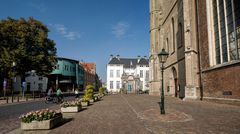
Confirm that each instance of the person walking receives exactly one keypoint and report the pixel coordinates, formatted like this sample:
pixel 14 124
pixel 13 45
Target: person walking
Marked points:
pixel 50 91
pixel 59 95
pixel 76 93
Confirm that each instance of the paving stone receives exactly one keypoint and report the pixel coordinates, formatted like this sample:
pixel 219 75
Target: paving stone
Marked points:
pixel 140 114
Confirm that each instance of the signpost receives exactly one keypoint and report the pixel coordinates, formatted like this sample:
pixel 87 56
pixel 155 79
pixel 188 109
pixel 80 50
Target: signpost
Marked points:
pixel 24 84
pixel 4 86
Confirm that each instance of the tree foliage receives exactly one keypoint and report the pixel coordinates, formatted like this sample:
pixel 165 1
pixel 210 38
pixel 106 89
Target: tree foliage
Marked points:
pixel 26 43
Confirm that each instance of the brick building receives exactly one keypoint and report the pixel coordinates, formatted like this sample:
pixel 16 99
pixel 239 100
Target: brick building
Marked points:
pixel 89 73
pixel 202 38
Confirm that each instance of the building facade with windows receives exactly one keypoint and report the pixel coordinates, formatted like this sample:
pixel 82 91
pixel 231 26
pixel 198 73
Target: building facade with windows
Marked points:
pixel 90 77
pixel 68 75
pixel 202 38
pixel 130 74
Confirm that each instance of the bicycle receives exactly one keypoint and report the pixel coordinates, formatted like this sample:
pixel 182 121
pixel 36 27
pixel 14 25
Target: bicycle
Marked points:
pixel 53 99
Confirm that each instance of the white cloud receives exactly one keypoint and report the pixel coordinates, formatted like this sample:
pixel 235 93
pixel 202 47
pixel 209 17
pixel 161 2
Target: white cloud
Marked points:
pixel 61 29
pixel 120 29
pixel 72 35
pixel 40 7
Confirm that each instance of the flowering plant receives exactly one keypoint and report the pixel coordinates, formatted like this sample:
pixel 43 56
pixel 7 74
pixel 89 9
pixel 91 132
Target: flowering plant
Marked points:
pixel 96 97
pixel 71 103
pixel 85 99
pixel 39 115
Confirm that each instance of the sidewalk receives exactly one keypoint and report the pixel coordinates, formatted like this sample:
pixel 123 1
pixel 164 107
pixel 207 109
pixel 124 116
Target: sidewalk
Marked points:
pixel 140 114
pixel 30 98
pixel 21 100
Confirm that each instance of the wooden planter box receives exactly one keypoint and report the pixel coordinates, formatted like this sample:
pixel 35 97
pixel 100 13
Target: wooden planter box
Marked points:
pixel 71 109
pixel 46 124
pixel 85 104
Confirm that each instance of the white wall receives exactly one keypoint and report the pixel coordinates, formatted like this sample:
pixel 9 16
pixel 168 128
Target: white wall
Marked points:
pixel 114 78
pixel 35 81
pixel 129 71
pixel 143 79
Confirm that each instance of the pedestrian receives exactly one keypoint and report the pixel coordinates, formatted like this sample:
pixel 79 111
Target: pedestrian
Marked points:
pixel 77 93
pixel 59 95
pixel 50 91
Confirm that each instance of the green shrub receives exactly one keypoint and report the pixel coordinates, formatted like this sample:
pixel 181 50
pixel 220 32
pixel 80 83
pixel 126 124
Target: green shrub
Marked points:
pixel 88 93
pixel 101 90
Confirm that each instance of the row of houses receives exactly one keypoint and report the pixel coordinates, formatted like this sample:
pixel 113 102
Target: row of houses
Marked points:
pixel 68 74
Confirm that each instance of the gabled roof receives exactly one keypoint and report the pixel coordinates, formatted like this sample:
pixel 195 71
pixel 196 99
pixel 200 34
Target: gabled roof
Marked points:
pixel 114 61
pixel 143 61
pixel 128 62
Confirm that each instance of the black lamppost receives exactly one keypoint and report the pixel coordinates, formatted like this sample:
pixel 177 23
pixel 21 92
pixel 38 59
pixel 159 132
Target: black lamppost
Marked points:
pixel 32 76
pixel 162 56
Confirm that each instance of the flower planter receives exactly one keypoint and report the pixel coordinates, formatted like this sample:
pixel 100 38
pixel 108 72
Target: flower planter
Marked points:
pixel 85 104
pixel 46 124
pixel 71 109
pixel 92 100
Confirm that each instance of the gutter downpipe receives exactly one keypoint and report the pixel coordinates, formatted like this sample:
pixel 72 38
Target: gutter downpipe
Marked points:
pixel 199 49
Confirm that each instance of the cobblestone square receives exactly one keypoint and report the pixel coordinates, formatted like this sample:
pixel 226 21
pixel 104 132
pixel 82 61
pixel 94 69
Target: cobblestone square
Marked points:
pixel 140 114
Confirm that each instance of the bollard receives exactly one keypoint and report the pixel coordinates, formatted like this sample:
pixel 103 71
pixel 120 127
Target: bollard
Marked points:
pixel 26 98
pixel 7 99
pixel 12 99
pixel 18 99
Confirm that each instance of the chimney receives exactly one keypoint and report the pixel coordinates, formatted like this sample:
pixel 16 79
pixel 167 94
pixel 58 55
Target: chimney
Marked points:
pixel 118 57
pixel 138 58
pixel 111 56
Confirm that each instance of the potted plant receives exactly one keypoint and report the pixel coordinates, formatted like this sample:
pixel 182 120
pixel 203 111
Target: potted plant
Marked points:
pixel 96 97
pixel 88 94
pixel 71 106
pixel 101 91
pixel 40 119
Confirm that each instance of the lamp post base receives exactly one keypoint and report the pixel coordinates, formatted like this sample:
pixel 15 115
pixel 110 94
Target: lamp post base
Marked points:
pixel 162 111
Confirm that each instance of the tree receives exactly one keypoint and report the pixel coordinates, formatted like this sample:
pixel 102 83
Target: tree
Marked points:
pixel 26 43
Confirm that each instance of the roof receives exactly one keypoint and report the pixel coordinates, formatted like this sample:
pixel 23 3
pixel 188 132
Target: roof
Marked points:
pixel 129 62
pixel 89 66
pixel 62 58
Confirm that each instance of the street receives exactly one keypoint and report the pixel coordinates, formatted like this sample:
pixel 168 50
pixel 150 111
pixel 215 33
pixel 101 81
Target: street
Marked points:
pixel 140 114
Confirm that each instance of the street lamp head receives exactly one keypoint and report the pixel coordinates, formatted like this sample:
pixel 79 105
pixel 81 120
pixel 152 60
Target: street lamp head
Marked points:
pixel 151 58
pixel 162 56
pixel 33 72
pixel 14 64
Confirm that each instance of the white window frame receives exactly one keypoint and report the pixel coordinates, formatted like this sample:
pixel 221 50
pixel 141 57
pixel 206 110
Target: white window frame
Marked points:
pixel 117 84
pixel 111 85
pixel 211 35
pixel 111 73
pixel 118 73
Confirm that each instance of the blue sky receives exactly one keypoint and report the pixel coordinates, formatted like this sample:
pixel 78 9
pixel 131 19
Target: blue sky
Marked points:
pixel 89 30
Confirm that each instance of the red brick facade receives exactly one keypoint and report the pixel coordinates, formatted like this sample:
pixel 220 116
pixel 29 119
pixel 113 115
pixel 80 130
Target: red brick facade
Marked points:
pixel 89 74
pixel 220 81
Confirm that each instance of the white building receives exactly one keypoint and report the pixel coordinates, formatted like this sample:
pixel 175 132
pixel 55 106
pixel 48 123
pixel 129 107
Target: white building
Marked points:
pixel 36 83
pixel 32 82
pixel 131 74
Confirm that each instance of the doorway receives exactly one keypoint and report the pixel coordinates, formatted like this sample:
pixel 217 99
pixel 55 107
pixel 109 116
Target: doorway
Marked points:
pixel 176 91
